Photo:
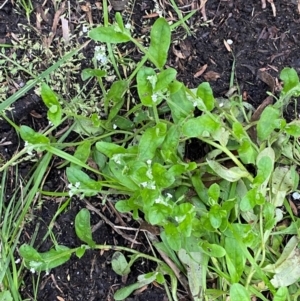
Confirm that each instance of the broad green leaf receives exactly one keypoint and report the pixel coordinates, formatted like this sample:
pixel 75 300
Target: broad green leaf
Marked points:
pixel 216 215
pixel 89 72
pixel 290 79
pixel 239 131
pixel 140 172
pixel 178 102
pixel 205 92
pixel 214 192
pixel 212 250
pixel 123 123
pixel 281 294
pixel 247 152
pixel 265 166
pixel 83 227
pixel 284 180
pixel 88 125
pixel 119 264
pixel 193 263
pixel 80 251
pixel 293 128
pixel 29 253
pixel 183 214
pixel 119 21
pixel 45 261
pixel 143 280
pixel 169 148
pixel 120 172
pixel 151 140
pixel 123 293
pixel 109 35
pixel 126 206
pixel 144 80
pixel 32 137
pixel 6 296
pixel 51 101
pixel 160 42
pixel 109 149
pixel 82 152
pixel 202 126
pixel 252 198
pixel 269 211
pixel 173 236
pixel 160 278
pixel 164 78
pixel 117 90
pixel 235 259
pixel 158 213
pixel 83 183
pixel 268 122
pixel 161 176
pixel 239 293
pixel 230 174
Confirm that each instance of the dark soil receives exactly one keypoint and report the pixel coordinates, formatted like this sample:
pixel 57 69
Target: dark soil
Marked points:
pixel 261 42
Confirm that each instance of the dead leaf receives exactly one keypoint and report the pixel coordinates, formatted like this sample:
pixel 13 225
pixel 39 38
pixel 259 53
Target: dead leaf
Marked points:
pixel 201 71
pixel 59 12
pixel 211 76
pixel 34 114
pixel 178 53
pixel 293 207
pixel 267 79
pixel 65 29
pixel 87 8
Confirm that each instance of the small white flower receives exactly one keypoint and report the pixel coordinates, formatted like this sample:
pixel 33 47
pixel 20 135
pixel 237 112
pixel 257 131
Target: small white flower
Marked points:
pixel 169 195
pixel 179 219
pixel 229 42
pixel 84 29
pixel 101 58
pixel 29 148
pixel 152 79
pixel 117 158
pixel 296 195
pixel 128 26
pixel 18 261
pixel 161 200
pixel 149 162
pixel 154 97
pixel 97 48
pixel 150 185
pixel 32 270
pixel 115 126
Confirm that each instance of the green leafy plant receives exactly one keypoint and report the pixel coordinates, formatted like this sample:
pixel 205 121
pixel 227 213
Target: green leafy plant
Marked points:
pixel 219 215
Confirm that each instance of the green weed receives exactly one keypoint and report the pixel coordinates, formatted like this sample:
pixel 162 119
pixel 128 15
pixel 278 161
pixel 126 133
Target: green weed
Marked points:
pixel 220 217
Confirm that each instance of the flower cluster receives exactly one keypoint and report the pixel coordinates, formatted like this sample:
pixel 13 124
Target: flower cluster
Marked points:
pixel 100 54
pixel 75 190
